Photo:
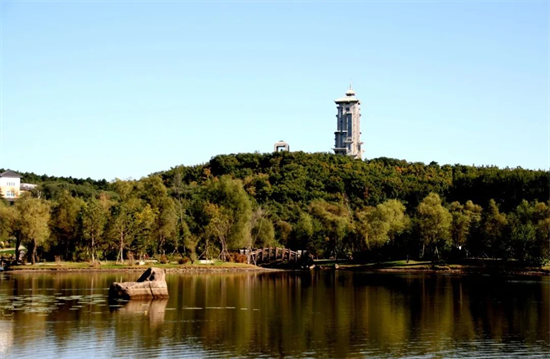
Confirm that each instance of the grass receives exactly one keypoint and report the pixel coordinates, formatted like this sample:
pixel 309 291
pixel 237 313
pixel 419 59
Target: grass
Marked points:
pixel 395 265
pixel 113 265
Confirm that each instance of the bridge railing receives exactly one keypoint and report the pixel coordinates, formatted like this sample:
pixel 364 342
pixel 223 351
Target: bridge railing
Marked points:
pixel 259 255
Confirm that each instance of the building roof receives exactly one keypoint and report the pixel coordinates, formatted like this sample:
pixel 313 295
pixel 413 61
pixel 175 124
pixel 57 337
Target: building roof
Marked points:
pixel 10 174
pixel 350 97
pixel 347 99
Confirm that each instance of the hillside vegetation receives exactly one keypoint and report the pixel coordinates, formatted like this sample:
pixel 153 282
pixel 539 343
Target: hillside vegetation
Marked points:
pixel 331 205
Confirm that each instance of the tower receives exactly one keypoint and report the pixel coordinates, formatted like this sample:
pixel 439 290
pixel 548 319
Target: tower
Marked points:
pixel 347 137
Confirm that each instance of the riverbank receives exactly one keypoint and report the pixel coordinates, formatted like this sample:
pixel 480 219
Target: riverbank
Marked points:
pixel 480 267
pixel 216 267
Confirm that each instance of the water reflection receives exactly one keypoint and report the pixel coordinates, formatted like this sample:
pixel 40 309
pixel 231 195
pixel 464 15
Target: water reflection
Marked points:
pixel 315 314
pixel 154 310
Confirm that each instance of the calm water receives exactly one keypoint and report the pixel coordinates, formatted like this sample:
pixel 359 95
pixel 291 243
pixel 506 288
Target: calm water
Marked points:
pixel 317 314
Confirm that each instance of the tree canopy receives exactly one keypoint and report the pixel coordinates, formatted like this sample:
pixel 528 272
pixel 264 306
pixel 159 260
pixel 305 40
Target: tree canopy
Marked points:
pixel 332 206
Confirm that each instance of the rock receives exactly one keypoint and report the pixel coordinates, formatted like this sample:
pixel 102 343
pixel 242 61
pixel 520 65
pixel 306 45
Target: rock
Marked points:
pixel 151 284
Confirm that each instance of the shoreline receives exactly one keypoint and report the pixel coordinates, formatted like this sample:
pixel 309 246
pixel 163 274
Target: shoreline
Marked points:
pixel 451 269
pixel 254 269
pixel 141 269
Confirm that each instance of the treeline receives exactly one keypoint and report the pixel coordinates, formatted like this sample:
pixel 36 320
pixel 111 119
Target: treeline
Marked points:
pixel 54 185
pixel 331 205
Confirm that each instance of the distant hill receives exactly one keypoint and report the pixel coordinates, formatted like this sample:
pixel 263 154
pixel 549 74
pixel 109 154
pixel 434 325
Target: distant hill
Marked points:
pixel 284 177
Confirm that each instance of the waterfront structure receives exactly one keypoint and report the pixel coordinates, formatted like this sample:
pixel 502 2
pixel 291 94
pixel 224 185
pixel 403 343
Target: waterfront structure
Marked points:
pixel 347 137
pixel 281 146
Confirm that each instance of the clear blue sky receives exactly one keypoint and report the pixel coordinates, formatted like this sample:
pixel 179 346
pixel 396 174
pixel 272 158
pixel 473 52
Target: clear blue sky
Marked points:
pixel 124 89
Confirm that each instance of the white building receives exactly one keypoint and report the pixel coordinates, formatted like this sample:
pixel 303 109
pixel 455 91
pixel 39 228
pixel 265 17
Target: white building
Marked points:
pixel 11 186
pixel 347 137
pixel 281 146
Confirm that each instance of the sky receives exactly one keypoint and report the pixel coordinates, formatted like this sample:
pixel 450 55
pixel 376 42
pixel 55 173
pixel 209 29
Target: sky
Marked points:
pixel 122 89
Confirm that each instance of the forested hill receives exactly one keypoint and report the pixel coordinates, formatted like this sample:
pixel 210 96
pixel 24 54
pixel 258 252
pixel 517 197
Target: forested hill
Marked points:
pixel 331 205
pixel 297 177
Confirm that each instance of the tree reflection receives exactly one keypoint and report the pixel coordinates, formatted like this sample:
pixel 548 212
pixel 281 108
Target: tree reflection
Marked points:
pixel 323 313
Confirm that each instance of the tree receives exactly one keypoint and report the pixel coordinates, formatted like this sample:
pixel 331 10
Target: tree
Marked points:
pixel 336 223
pixel 64 223
pixel 124 224
pixel 541 249
pixel 7 219
pixel 34 215
pixel 263 233
pixel 235 209
pixel 434 223
pixel 464 218
pixel 143 239
pixel 183 233
pixel 219 228
pixel 165 225
pixel 166 222
pixel 263 230
pixel 304 230
pixel 93 216
pixel 381 224
pixel 494 225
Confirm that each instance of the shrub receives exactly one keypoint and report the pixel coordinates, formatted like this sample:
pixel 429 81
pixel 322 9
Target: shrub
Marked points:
pixel 240 258
pixel 163 259
pixel 183 260
pixel 230 258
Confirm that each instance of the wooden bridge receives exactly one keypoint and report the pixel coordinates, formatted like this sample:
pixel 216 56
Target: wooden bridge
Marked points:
pixel 269 254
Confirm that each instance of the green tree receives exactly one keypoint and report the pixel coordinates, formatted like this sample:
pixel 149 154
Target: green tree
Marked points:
pixel 166 222
pixel 219 228
pixel 434 224
pixel 33 220
pixel 381 224
pixel 179 190
pixel 124 225
pixel 494 226
pixel 336 224
pixel 143 239
pixel 64 223
pixel 8 223
pixel 94 216
pixel 263 230
pixel 235 209
pixel 165 225
pixel 263 233
pixel 304 231
pixel 464 218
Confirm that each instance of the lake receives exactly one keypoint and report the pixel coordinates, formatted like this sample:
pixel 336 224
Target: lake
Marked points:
pixel 314 314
